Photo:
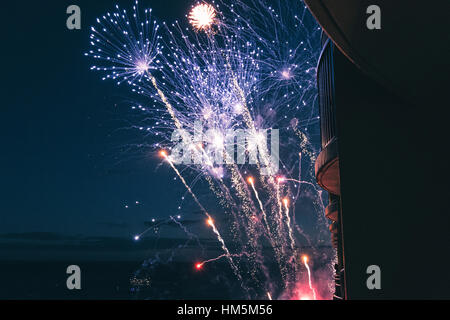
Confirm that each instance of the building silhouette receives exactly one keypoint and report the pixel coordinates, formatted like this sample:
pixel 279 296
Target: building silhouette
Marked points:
pixel 383 101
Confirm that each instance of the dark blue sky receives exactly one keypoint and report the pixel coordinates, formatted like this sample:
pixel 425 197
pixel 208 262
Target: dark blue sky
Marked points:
pixel 59 168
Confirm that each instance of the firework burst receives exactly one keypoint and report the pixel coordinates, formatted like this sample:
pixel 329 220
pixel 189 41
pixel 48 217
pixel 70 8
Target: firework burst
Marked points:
pixel 202 16
pixel 126 45
pixel 254 72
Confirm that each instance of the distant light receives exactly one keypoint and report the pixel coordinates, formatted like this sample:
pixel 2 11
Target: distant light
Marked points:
pixel 136 238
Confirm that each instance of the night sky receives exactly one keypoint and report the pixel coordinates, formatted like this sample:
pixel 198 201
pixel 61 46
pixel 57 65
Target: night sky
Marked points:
pixel 65 185
pixel 60 172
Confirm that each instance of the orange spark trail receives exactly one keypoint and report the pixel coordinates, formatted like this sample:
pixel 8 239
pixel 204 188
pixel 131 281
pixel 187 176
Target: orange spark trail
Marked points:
pixel 199 265
pixel 165 101
pixel 166 157
pixel 210 221
pixel 305 261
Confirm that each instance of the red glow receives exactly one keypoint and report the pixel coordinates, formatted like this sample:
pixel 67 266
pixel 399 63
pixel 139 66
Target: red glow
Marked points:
pixel 198 266
pixel 163 153
pixel 250 180
pixel 303 292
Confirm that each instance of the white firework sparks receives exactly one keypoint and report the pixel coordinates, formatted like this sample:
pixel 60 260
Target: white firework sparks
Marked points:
pixel 256 71
pixel 202 16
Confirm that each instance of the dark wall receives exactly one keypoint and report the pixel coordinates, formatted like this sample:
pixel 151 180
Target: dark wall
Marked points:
pixel 394 183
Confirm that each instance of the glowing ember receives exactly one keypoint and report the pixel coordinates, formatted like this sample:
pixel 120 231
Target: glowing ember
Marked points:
pixel 198 266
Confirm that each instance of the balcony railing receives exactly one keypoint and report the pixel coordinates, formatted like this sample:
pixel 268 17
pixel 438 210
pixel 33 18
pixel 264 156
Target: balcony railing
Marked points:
pixel 325 83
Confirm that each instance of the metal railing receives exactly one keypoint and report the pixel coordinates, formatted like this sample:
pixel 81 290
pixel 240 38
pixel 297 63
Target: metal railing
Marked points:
pixel 325 83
